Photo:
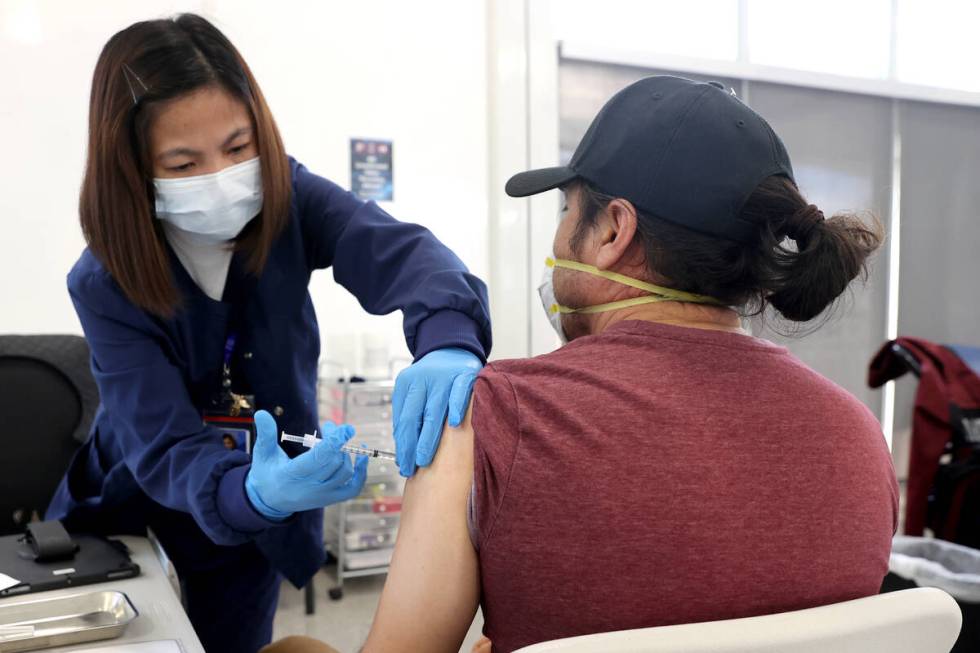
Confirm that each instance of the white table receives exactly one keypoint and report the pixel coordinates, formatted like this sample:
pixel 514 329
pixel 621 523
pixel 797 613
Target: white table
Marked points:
pixel 161 616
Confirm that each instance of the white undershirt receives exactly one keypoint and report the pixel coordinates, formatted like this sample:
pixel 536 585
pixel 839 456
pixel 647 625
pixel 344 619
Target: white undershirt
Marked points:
pixel 206 263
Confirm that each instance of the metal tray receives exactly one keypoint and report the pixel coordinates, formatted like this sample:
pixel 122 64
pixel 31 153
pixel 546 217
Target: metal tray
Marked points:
pixel 64 620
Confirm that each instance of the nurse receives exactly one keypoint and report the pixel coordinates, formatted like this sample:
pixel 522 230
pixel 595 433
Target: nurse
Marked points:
pixel 202 235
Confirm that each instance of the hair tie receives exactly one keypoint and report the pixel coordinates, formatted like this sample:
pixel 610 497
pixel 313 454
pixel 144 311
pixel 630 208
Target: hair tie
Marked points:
pixel 803 222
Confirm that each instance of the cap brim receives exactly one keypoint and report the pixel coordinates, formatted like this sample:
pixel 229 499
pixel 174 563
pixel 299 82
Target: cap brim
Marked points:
pixel 533 182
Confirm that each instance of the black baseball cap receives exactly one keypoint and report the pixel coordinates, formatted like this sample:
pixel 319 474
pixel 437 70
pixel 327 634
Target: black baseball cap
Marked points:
pixel 686 152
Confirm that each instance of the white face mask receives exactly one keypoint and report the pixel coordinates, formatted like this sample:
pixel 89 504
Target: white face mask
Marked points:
pixel 216 207
pixel 654 293
pixel 547 293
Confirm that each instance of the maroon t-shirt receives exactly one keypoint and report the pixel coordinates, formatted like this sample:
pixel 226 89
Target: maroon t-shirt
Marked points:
pixel 656 475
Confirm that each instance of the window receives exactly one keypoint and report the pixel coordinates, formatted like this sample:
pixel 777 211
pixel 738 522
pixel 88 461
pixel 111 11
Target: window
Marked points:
pixel 694 28
pixel 937 43
pixel 832 36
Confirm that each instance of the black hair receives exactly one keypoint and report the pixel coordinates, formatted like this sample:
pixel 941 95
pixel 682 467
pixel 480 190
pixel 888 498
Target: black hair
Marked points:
pixel 800 280
pixel 141 67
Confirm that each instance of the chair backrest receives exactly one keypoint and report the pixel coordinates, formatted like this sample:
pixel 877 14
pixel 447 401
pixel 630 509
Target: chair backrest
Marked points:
pixel 48 399
pixel 921 620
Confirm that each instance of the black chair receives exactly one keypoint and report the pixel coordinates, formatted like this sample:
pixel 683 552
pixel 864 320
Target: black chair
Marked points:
pixel 48 399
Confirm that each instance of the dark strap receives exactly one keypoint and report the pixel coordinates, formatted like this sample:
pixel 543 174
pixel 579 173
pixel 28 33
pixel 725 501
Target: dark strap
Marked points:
pixel 50 541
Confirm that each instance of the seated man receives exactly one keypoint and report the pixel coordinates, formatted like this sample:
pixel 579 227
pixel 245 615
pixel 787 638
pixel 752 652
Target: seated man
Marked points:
pixel 664 466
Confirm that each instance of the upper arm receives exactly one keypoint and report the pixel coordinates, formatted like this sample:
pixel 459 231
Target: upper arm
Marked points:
pixel 390 265
pixel 140 386
pixel 433 585
pixel 325 209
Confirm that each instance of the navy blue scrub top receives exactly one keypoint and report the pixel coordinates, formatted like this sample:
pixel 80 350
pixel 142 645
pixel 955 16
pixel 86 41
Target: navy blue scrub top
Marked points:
pixel 156 375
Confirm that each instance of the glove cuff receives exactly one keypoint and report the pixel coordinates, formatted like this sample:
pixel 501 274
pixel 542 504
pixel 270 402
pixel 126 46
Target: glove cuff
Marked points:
pixel 260 506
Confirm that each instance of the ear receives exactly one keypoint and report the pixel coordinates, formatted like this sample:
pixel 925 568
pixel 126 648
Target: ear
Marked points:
pixel 617 227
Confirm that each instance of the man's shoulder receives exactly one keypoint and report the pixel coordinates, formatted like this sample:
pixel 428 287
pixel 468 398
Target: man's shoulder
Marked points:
pixel 542 364
pixel 510 383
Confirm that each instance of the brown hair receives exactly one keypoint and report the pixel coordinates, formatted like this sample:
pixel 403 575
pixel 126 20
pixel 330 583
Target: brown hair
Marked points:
pixel 799 281
pixel 147 63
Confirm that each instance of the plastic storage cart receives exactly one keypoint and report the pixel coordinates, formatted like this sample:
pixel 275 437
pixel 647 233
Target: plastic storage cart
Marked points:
pixel 360 533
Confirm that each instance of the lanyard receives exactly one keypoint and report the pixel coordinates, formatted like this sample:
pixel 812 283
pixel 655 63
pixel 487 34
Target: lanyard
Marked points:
pixel 235 402
pixel 226 370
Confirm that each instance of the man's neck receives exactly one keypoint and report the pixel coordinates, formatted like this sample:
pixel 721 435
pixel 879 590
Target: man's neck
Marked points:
pixel 694 316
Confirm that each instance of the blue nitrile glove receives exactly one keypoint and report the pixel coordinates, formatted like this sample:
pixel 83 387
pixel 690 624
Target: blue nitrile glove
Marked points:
pixel 437 385
pixel 278 486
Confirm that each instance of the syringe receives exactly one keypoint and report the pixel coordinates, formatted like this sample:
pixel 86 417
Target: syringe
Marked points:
pixel 309 441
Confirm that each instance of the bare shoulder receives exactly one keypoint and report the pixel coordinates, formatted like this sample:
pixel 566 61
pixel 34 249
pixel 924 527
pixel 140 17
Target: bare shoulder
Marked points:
pixel 453 462
pixel 433 587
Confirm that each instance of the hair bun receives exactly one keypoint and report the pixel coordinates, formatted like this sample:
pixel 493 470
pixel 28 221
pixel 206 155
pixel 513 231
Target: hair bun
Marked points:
pixel 802 223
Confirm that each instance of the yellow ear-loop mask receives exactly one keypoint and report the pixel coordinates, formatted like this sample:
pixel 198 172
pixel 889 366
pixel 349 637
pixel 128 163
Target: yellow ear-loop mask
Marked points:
pixel 657 293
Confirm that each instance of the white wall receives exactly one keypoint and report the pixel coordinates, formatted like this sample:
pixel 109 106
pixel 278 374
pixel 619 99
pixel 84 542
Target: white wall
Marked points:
pixel 523 135
pixel 47 53
pixel 412 72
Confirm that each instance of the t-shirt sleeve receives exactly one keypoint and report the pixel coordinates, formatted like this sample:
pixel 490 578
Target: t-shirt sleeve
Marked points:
pixel 496 437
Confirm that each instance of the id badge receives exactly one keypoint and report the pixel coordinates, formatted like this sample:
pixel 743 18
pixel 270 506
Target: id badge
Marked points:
pixel 233 419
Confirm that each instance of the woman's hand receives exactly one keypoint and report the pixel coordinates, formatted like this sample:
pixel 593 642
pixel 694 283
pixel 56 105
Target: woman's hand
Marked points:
pixel 278 486
pixel 438 385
